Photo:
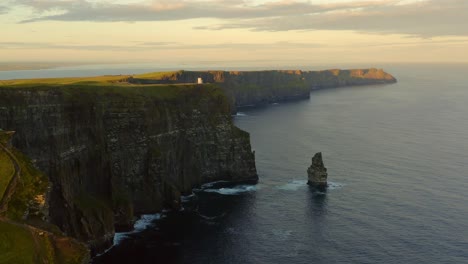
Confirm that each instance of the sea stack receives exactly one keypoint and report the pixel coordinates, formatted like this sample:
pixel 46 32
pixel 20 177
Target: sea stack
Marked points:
pixel 317 173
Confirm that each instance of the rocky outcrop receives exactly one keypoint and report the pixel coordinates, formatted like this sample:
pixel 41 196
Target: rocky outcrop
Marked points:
pixel 317 173
pixel 114 151
pixel 253 88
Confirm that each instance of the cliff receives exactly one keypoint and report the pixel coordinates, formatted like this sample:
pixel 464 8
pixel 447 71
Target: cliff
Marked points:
pixel 111 151
pixel 251 88
pixel 93 152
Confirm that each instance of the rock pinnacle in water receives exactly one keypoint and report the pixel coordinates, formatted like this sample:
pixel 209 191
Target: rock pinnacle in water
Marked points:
pixel 317 173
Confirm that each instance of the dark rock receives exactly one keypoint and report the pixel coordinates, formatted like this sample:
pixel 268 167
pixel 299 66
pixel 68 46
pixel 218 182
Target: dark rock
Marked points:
pixel 317 173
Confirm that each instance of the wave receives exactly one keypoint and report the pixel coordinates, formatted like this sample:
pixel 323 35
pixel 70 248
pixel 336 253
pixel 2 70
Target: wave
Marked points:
pixel 187 198
pixel 211 184
pixel 145 222
pixel 335 185
pixel 239 189
pixel 293 185
pixel 240 114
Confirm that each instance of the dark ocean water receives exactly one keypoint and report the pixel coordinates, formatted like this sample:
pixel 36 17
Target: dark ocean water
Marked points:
pixel 397 157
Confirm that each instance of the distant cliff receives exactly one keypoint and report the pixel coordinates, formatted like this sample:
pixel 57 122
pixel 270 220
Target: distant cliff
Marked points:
pixel 112 151
pixel 250 88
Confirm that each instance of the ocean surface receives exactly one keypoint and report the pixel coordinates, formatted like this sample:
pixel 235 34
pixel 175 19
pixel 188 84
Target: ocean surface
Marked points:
pixel 397 157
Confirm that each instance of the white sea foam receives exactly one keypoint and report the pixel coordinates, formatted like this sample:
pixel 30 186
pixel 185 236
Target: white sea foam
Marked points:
pixel 239 189
pixel 211 184
pixel 335 185
pixel 145 222
pixel 118 237
pixel 187 198
pixel 293 185
pixel 241 114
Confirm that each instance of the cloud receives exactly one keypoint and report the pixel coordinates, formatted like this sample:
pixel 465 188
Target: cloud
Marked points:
pixel 424 18
pixel 165 10
pixel 139 46
pixel 3 10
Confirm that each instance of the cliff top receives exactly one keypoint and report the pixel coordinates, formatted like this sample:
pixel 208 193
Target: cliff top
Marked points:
pixel 129 80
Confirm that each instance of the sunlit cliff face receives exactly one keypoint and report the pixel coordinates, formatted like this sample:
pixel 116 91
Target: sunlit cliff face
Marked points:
pixel 262 32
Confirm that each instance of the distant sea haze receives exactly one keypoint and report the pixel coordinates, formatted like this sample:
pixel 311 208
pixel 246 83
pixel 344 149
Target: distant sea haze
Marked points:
pixel 397 163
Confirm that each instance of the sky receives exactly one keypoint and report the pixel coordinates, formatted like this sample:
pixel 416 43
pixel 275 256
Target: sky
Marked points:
pixel 284 32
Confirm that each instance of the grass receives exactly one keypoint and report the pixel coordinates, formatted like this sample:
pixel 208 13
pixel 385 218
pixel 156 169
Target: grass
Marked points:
pixel 97 79
pixel 156 75
pixel 106 79
pixel 31 184
pixel 16 244
pixel 21 244
pixel 7 170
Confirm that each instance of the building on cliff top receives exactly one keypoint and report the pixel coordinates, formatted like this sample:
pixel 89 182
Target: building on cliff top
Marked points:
pixel 200 80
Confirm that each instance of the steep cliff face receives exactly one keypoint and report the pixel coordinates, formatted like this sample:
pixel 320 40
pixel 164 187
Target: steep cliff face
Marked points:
pixel 114 151
pixel 250 88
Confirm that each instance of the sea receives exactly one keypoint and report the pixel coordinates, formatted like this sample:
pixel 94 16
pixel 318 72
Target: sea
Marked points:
pixel 397 160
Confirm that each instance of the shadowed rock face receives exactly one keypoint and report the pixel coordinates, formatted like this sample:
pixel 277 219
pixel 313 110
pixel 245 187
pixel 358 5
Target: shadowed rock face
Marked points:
pixel 317 173
pixel 111 154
